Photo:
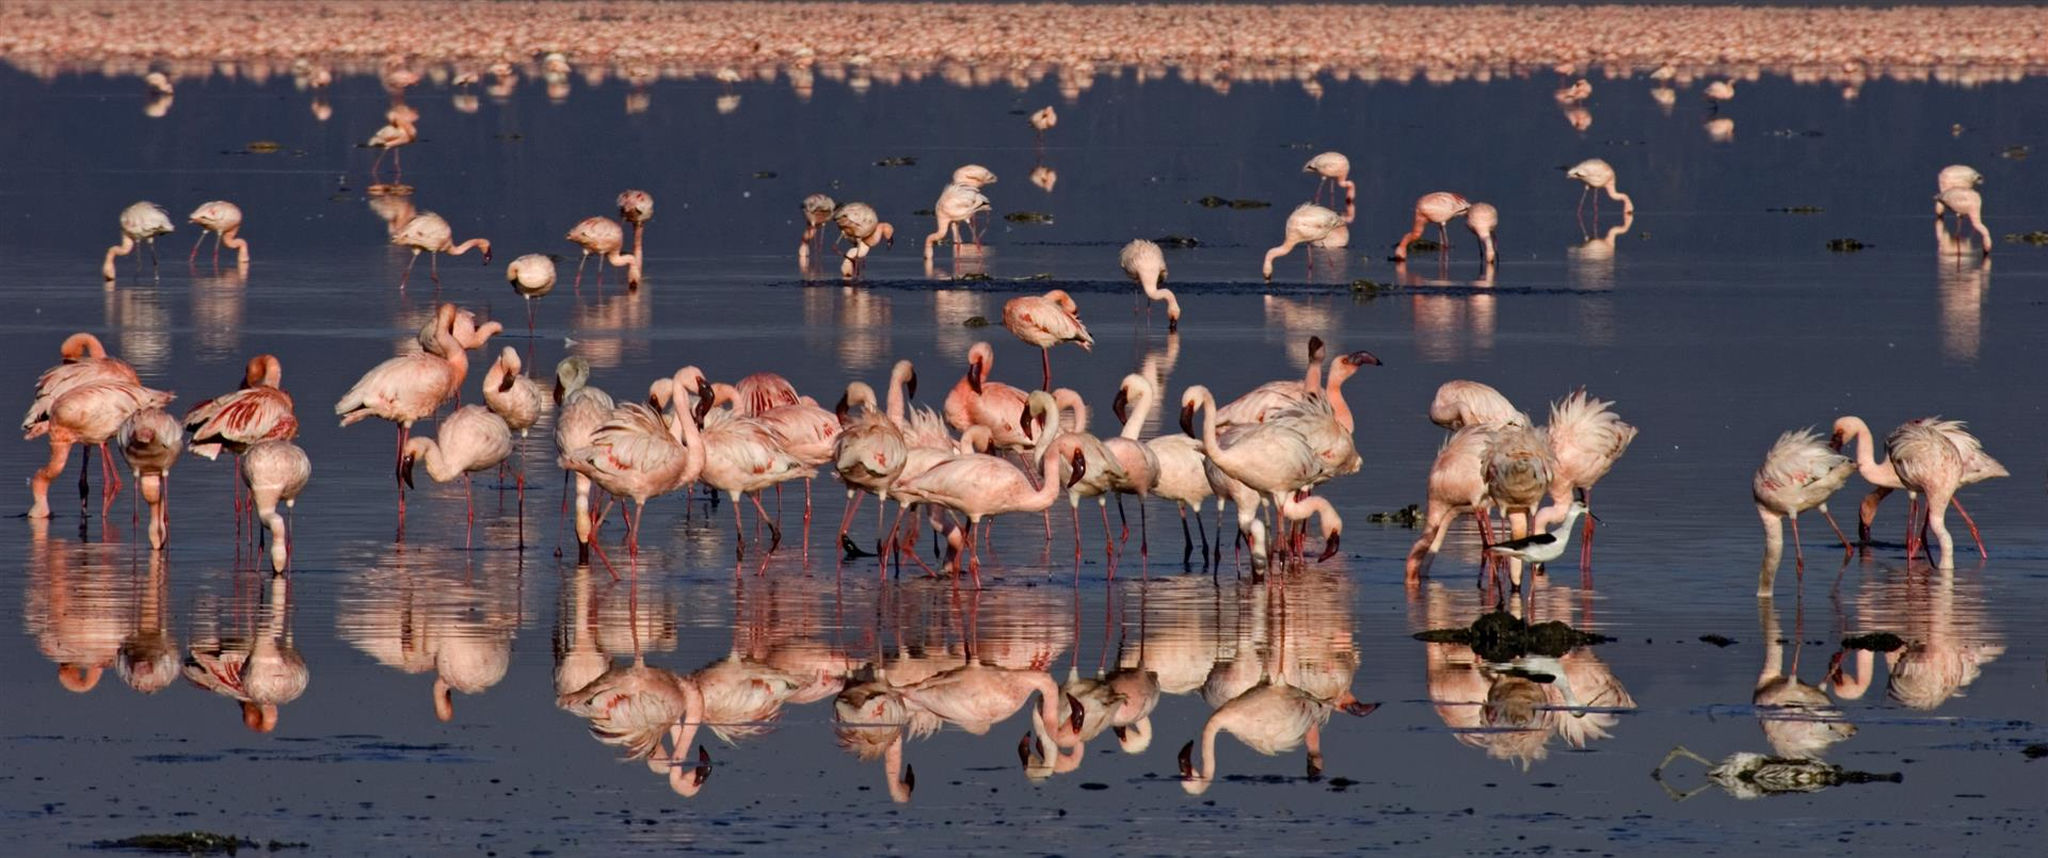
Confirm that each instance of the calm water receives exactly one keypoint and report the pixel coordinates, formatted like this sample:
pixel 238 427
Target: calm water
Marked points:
pixel 1713 322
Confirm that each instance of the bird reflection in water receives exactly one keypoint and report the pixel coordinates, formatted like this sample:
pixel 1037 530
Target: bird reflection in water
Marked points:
pixel 599 619
pixel 951 310
pixel 1798 719
pixel 1440 319
pixel 1590 269
pixel 428 611
pixel 969 262
pixel 143 328
pixel 217 307
pixel 854 323
pixel 1964 282
pixel 1944 638
pixel 1512 708
pixel 256 665
pixel 87 613
pixel 1283 665
pixel 609 331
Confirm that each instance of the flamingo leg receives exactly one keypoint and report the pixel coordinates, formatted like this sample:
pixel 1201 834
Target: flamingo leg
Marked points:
pixel 1798 551
pixel 434 267
pixel 852 507
pixel 774 530
pixel 407 276
pixel 1123 520
pixel 195 248
pixel 113 476
pixel 381 152
pixel 1045 358
pixel 1108 544
pixel 1838 528
pixel 1076 506
pixel 1187 538
pixel 1972 524
pixel 739 532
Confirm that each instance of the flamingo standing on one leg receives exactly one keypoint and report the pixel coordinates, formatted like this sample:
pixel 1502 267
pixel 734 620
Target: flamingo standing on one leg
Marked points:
pixel 470 439
pixel 1312 225
pixel 1433 208
pixel 1799 473
pixel 273 471
pixel 1143 262
pixel 533 277
pixel 1046 321
pixel 409 388
pixel 1598 175
pixel 398 132
pixel 579 410
pixel 151 441
pixel 604 238
pixel 636 208
pixel 430 232
pixel 222 220
pixel 1332 167
pixel 518 401
pixel 141 223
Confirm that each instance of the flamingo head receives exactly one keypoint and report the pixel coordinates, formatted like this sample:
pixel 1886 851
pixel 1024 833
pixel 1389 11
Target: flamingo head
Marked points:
pixel 1187 419
pixel 910 384
pixel 688 785
pixel 1121 405
pixel 1359 358
pixel 1080 469
pixel 1330 545
pixel 1315 349
pixel 975 369
pixel 1074 703
pixel 705 398
pixel 1356 709
pixel 1187 761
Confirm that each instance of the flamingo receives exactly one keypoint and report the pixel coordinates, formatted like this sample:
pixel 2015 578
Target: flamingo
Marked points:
pixel 818 210
pixel 1046 321
pixel 859 223
pixel 1520 469
pixel 870 450
pixel 1182 478
pixel 1144 263
pixel 975 400
pixel 1279 395
pixel 1460 403
pixel 465 332
pixel 533 277
pixel 1332 167
pixel 1273 459
pixel 1596 175
pixel 408 388
pixel 579 410
pixel 518 401
pixel 1044 119
pixel 470 439
pixel 1271 718
pixel 1586 437
pixel 1799 473
pixel 979 486
pixel 1977 467
pixel 807 433
pixel 259 411
pixel 89 413
pixel 141 223
pixel 637 454
pixel 636 208
pixel 762 391
pixel 430 232
pixel 1059 440
pixel 1927 462
pixel 957 204
pixel 158 84
pixel 81 359
pixel 977 696
pixel 1300 507
pixel 1484 220
pixel 275 470
pixel 1313 225
pixel 223 220
pixel 1720 91
pixel 151 441
pixel 1957 176
pixel 636 707
pixel 397 133
pixel 1432 208
pixel 1457 485
pixel 604 238
pixel 743 456
pixel 1136 461
pixel 1965 203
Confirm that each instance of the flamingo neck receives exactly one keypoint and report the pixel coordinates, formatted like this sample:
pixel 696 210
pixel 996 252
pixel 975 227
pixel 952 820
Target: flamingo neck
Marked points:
pixel 1334 391
pixel 1140 405
pixel 469 245
pixel 1873 471
pixel 1209 446
pixel 1774 553
pixel 1049 484
pixel 896 409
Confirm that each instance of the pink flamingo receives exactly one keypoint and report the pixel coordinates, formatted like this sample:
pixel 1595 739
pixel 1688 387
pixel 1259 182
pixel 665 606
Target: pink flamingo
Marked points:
pixel 637 454
pixel 604 238
pixel 88 413
pixel 275 470
pixel 1460 403
pixel 742 457
pixel 810 435
pixel 533 277
pixel 979 486
pixel 1520 470
pixel 870 450
pixel 579 410
pixel 636 707
pixel 397 133
pixel 1312 225
pixel 1457 485
pixel 1965 203
pixel 409 388
pixel 1137 461
pixel 1272 458
pixel 1433 208
pixel 466 333
pixel 151 441
pixel 81 359
pixel 430 232
pixel 1799 473
pixel 141 223
pixel 222 220
pixel 1332 167
pixel 470 439
pixel 1598 175
pixel 761 391
pixel 1144 263
pixel 518 401
pixel 1927 462
pixel 1046 321
pixel 1057 439
pixel 1044 119
pixel 818 210
pixel 1586 437
pixel 1957 176
pixel 1977 467
pixel 1279 395
pixel 1484 220
pixel 975 400
pixel 259 411
pixel 1300 507
pixel 636 208
pixel 977 696
pixel 959 203
pixel 859 224
pixel 1272 718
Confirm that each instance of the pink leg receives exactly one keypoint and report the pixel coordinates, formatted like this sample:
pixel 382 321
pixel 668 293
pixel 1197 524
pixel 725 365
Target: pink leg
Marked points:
pixel 1045 358
pixel 1973 528
pixel 407 276
pixel 1798 551
pixel 1838 530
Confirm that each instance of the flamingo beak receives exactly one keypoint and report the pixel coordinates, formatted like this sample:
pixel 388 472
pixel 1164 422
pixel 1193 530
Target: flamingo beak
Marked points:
pixel 703 401
pixel 910 386
pixel 1080 468
pixel 1121 406
pixel 1187 760
pixel 487 256
pixel 1315 348
pixel 1119 731
pixel 1835 441
pixel 1362 358
pixel 974 376
pixel 405 470
pixel 703 765
pixel 1187 420
pixel 1074 703
pixel 909 779
pixel 1330 547
pixel 1359 710
pixel 1028 423
pixel 559 391
pixel 840 410
pixel 1024 751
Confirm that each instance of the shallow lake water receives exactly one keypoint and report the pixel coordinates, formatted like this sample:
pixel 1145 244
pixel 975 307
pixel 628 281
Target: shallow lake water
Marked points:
pixel 1712 321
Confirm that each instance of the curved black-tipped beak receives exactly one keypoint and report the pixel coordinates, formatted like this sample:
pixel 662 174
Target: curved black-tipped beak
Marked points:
pixel 1315 348
pixel 1027 423
pixel 1080 464
pixel 1330 547
pixel 909 779
pixel 487 256
pixel 703 765
pixel 1024 750
pixel 1074 720
pixel 703 402
pixel 405 470
pixel 1187 759
pixel 1835 441
pixel 653 401
pixel 841 410
pixel 1359 710
pixel 1362 358
pixel 1187 421
pixel 910 385
pixel 1121 406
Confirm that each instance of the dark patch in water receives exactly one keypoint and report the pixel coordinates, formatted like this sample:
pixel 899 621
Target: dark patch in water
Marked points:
pixel 1874 641
pixel 1215 202
pixel 1718 640
pixel 1845 245
pixel 1028 217
pixel 898 161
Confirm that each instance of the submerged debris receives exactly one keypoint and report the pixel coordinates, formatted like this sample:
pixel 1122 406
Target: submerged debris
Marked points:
pixel 764 174
pixel 1215 202
pixel 2016 153
pixel 1177 242
pixel 192 843
pixel 976 322
pixel 1424 244
pixel 2036 238
pixel 1845 245
pixel 1028 217
pixel 265 147
pixel 1875 642
pixel 1500 637
pixel 899 161
pixel 2035 751
pixel 1796 210
pixel 1718 640
pixel 1407 516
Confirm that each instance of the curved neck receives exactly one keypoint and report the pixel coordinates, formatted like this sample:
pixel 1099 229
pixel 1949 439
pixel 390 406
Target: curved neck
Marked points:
pixel 1334 391
pixel 1136 410
pixel 1774 552
pixel 1209 732
pixel 897 409
pixel 1312 378
pixel 1048 486
pixel 1873 471
pixel 469 245
pixel 1209 446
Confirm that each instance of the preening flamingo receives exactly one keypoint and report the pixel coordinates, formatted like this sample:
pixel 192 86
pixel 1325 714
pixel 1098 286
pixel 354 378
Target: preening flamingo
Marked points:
pixel 274 471
pixel 1598 175
pixel 1433 208
pixel 1799 473
pixel 141 223
pixel 1312 225
pixel 259 411
pixel 81 359
pixel 1045 321
pixel 1460 403
pixel 222 220
pixel 1143 262
pixel 409 388
pixel 818 210
pixel 579 410
pixel 1332 167
pixel 604 238
pixel 151 442
pixel 761 391
pixel 429 232
pixel 975 400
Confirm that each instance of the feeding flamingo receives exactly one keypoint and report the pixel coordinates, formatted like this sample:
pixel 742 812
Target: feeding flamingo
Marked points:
pixel 818 210
pixel 1046 321
pixel 273 471
pixel 1928 463
pixel 1433 208
pixel 1484 220
pixel 1977 467
pixel 533 277
pixel 430 232
pixel 222 220
pixel 1965 203
pixel 1799 473
pixel 1457 485
pixel 88 413
pixel 604 238
pixel 1271 718
pixel 859 223
pixel 1144 263
pixel 1585 437
pixel 636 208
pixel 1312 225
pixel 1332 167
pixel 1598 175
pixel 151 442
pixel 141 223
pixel 957 204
